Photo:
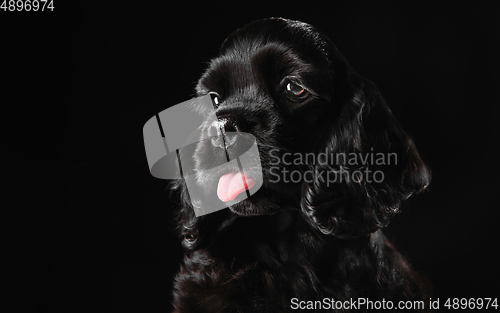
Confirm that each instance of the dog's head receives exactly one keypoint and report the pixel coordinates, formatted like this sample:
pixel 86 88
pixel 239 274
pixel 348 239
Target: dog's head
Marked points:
pixel 329 145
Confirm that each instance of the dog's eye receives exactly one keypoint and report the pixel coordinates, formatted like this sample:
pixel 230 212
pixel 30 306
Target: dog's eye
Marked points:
pixel 215 98
pixel 295 91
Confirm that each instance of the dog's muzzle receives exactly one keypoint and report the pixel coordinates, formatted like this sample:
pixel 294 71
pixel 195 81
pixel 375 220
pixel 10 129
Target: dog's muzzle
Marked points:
pixel 173 137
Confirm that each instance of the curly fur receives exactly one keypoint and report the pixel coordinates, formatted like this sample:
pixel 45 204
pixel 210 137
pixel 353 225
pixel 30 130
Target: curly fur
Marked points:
pixel 306 240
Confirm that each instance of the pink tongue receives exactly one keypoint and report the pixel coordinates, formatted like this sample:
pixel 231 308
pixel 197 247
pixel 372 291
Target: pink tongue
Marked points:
pixel 232 184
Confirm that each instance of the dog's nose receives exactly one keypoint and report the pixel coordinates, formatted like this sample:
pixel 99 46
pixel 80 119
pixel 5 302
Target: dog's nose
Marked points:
pixel 231 123
pixel 222 131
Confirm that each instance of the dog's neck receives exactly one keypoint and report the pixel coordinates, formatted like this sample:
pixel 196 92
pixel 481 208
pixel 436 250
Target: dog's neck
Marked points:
pixel 280 222
pixel 274 238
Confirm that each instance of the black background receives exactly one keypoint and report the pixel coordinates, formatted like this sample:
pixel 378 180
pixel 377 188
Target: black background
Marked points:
pixel 86 227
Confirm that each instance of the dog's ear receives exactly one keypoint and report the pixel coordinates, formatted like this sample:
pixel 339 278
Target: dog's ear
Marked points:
pixel 370 166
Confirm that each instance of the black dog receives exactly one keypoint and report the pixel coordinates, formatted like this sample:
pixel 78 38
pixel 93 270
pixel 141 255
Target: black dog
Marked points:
pixel 300 243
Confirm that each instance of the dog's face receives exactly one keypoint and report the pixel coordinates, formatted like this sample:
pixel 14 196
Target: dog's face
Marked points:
pixel 277 88
pixel 286 84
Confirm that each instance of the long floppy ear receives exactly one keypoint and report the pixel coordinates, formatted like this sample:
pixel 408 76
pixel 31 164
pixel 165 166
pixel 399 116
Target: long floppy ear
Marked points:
pixel 370 165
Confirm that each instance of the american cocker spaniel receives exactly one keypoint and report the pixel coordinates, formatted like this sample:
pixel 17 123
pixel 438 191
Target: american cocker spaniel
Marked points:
pixel 335 166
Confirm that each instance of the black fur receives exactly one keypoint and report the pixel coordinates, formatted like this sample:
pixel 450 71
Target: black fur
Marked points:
pixel 304 240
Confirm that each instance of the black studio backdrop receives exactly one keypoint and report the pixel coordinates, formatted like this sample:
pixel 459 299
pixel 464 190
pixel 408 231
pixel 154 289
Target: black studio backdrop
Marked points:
pixel 87 228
